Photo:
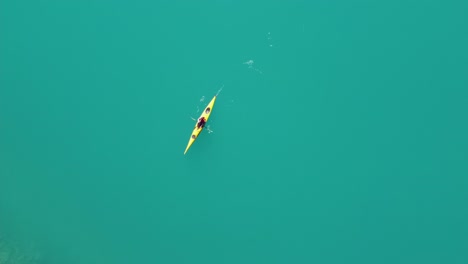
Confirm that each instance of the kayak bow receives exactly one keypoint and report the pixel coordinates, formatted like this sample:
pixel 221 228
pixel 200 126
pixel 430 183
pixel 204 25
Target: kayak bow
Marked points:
pixel 196 131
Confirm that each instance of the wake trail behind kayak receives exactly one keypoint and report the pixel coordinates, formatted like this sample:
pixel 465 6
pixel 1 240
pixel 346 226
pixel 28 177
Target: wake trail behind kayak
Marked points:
pixel 220 89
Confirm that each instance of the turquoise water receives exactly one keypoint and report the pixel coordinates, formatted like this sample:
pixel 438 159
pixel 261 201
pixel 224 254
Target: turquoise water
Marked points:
pixel 339 135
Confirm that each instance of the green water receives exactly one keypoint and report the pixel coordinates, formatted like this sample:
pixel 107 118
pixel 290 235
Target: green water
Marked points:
pixel 345 141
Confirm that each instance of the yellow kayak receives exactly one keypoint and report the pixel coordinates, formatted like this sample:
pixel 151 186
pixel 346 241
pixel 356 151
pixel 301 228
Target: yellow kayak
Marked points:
pixel 196 131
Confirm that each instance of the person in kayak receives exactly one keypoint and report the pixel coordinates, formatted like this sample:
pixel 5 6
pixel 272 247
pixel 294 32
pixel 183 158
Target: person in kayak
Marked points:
pixel 201 122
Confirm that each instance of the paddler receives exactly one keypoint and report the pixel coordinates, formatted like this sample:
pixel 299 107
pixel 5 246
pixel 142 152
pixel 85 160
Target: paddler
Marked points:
pixel 201 122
